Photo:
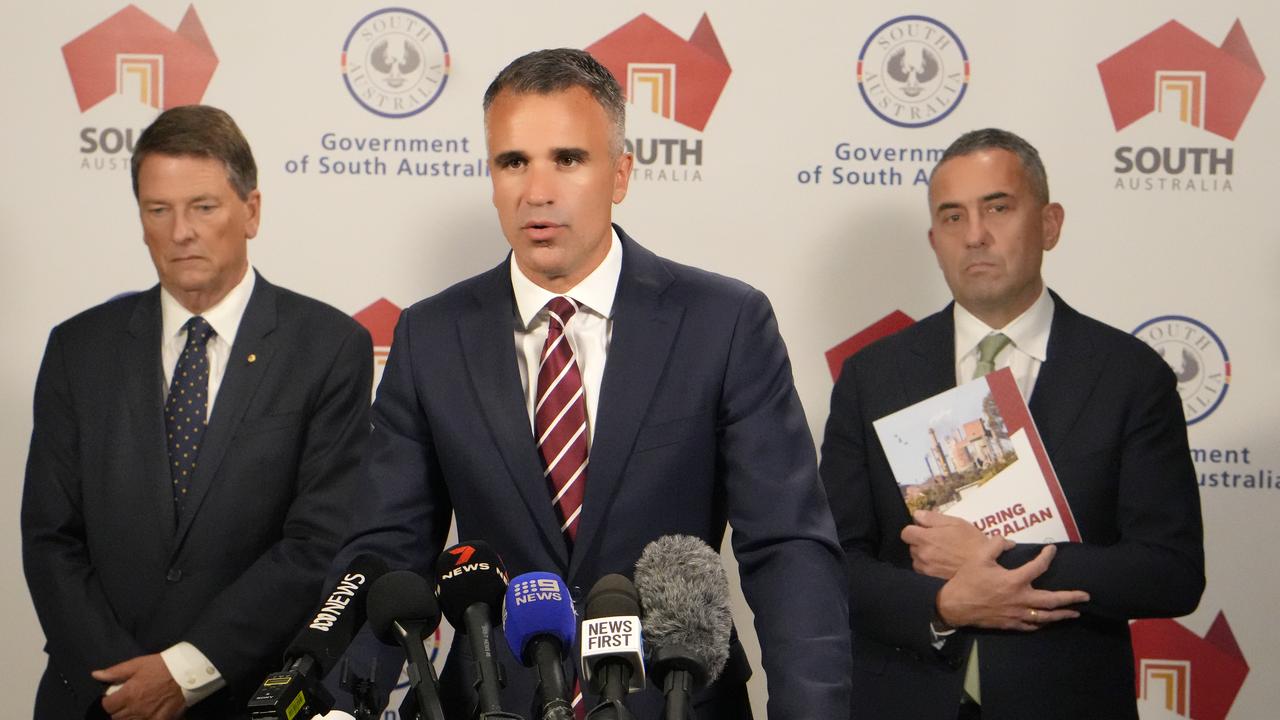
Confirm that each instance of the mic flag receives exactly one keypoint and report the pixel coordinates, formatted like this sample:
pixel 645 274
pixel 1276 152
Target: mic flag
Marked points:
pixel 611 636
pixel 538 605
pixel 470 573
pixel 296 691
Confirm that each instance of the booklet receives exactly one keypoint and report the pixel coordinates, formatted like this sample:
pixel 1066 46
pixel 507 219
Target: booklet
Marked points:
pixel 974 452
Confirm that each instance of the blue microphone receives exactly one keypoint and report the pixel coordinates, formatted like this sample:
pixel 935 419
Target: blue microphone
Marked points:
pixel 540 625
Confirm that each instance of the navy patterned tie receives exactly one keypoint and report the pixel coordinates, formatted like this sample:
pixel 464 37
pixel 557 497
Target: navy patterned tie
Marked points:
pixel 186 407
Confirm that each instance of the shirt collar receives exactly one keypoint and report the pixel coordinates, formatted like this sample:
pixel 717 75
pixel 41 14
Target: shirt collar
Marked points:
pixel 595 292
pixel 1029 331
pixel 224 317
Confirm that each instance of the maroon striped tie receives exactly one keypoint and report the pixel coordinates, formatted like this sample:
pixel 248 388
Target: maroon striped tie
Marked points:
pixel 560 419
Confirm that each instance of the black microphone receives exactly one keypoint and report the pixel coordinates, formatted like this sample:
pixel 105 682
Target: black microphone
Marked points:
pixel 686 617
pixel 471 583
pixel 540 625
pixel 296 692
pixel 403 611
pixel 612 649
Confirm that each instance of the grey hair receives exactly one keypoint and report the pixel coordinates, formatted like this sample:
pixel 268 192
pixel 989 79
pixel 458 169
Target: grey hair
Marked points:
pixel 997 139
pixel 544 72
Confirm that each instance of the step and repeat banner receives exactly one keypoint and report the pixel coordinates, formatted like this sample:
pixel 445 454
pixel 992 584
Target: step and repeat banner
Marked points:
pixel 788 145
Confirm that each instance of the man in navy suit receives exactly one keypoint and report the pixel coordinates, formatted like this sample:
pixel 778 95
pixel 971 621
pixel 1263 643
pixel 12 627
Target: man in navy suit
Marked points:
pixel 684 411
pixel 193 454
pixel 1050 622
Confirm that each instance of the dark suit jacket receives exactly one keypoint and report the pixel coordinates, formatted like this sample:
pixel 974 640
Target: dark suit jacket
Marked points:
pixel 699 423
pixel 1109 414
pixel 110 574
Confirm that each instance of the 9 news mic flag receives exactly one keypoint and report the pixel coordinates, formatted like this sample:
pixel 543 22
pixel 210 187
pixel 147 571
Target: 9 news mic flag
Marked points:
pixel 541 625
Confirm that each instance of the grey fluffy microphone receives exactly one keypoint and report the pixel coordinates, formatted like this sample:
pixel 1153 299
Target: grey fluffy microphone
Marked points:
pixel 685 596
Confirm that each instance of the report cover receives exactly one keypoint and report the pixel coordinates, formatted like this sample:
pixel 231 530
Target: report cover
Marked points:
pixel 974 452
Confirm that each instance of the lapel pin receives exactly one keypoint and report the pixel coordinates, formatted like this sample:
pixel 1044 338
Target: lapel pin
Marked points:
pixel 252 358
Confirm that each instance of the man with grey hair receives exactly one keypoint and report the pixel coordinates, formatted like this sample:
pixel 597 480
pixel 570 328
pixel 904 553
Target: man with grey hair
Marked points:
pixel 948 623
pixel 586 397
pixel 193 453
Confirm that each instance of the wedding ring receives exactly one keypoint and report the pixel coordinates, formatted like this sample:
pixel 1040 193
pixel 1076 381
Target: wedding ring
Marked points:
pixel 1034 615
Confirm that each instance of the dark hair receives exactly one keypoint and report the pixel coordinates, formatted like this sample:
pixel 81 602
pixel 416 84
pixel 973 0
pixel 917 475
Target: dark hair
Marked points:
pixel 995 138
pixel 199 131
pixel 551 71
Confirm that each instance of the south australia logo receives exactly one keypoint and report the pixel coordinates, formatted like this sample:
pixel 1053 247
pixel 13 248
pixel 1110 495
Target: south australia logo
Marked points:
pixel 913 71
pixel 672 86
pixel 1198 358
pixel 395 62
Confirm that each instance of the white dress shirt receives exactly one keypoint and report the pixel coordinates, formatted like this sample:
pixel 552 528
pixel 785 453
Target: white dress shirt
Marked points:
pixel 190 668
pixel 1029 346
pixel 588 331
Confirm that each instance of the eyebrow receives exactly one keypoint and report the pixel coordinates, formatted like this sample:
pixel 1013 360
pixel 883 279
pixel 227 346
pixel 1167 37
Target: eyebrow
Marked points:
pixel 985 198
pixel 579 154
pixel 505 157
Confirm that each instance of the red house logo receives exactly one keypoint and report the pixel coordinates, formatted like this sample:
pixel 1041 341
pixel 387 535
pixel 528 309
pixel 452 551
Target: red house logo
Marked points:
pixel 380 320
pixel 664 73
pixel 1178 672
pixel 133 54
pixel 1175 72
pixel 884 327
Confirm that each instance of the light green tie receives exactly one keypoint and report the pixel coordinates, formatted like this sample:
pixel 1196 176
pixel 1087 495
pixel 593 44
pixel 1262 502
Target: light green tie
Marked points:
pixel 988 348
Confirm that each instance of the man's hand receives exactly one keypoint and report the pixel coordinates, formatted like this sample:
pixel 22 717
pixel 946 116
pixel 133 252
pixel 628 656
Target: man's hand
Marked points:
pixel 147 690
pixel 984 594
pixel 940 544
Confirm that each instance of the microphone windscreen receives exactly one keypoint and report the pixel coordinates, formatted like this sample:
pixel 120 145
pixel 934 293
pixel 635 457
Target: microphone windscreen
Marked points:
pixel 470 573
pixel 401 596
pixel 686 599
pixel 612 595
pixel 538 604
pixel 340 615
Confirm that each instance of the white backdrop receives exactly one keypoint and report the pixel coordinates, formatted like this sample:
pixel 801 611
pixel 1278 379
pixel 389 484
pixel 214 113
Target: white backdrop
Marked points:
pixel 833 258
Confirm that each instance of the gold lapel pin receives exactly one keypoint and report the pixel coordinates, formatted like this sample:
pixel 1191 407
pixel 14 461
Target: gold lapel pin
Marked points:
pixel 252 357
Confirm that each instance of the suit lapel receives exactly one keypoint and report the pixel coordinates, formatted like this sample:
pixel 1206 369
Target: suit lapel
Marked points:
pixel 239 381
pixel 1070 369
pixel 488 345
pixel 644 329
pixel 932 368
pixel 145 393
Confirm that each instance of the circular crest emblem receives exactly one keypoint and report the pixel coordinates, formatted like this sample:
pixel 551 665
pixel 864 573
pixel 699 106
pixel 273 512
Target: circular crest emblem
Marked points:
pixel 1198 358
pixel 913 71
pixel 395 62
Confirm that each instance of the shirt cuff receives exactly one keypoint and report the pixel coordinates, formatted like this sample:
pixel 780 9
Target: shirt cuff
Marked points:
pixel 193 672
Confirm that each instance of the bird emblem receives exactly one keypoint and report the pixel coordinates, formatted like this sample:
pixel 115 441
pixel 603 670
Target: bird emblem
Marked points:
pixel 913 72
pixel 397 63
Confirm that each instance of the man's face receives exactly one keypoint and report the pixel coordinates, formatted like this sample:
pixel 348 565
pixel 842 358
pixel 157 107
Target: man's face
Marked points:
pixel 196 227
pixel 990 233
pixel 555 181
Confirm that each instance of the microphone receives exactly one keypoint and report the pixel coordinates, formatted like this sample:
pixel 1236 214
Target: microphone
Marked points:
pixel 403 611
pixel 471 584
pixel 540 624
pixel 612 650
pixel 686 617
pixel 296 692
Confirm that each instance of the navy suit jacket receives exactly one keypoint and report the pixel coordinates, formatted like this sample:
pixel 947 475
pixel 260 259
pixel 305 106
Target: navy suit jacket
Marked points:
pixel 699 423
pixel 111 573
pixel 1108 411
